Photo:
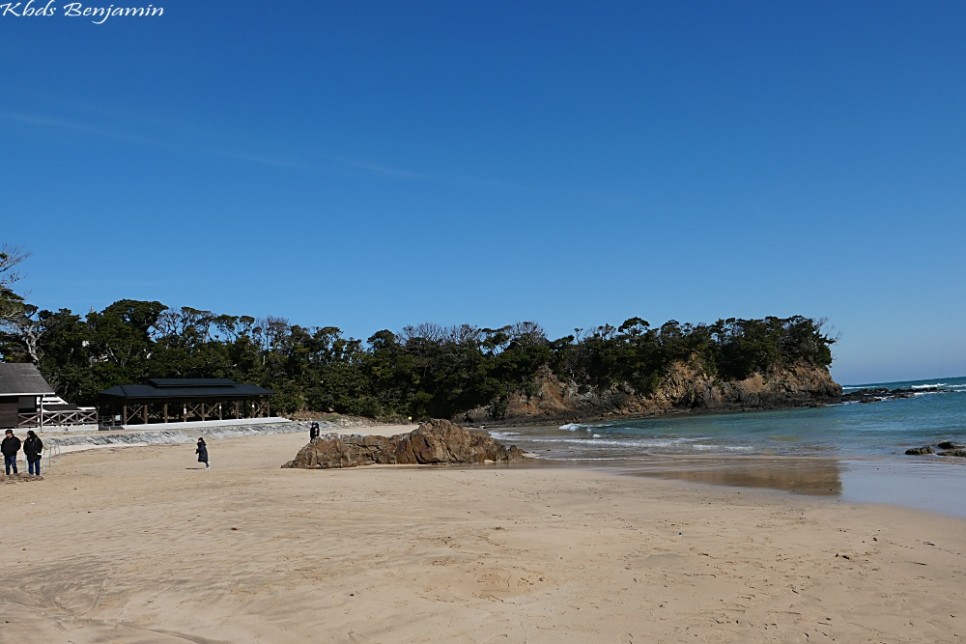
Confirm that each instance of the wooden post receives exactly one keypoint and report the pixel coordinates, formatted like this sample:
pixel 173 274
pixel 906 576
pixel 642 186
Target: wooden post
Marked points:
pixel 145 413
pixel 166 411
pixel 124 414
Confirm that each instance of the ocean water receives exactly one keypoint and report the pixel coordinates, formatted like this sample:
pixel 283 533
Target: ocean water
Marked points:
pixel 852 451
pixel 935 412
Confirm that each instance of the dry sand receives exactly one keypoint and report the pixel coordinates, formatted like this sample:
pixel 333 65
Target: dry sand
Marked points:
pixel 142 545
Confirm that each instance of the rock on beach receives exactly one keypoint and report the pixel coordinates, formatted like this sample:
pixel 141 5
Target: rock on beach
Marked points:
pixel 433 442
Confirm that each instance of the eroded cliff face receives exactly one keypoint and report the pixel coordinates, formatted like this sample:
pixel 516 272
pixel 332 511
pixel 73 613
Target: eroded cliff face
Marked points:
pixel 687 387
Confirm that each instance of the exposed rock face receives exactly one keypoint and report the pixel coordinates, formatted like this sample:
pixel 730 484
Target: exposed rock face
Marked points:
pixel 433 442
pixel 440 441
pixel 686 387
pixel 945 448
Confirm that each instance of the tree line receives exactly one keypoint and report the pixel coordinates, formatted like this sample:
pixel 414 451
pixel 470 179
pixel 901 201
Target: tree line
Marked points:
pixel 421 371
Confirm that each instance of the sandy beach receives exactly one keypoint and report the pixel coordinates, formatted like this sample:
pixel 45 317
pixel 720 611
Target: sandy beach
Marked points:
pixel 141 544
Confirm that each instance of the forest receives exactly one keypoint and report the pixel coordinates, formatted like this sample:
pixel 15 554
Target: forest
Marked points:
pixel 421 371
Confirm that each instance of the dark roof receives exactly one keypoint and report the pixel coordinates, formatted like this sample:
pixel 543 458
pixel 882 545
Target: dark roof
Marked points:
pixel 166 383
pixel 186 388
pixel 22 379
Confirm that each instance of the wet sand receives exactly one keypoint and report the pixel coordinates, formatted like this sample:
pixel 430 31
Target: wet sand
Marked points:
pixel 810 476
pixel 925 483
pixel 142 544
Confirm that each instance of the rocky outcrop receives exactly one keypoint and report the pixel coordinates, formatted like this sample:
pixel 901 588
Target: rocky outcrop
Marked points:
pixel 877 394
pixel 945 448
pixel 433 442
pixel 686 387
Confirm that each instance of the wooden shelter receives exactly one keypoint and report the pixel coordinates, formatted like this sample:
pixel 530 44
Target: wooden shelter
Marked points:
pixel 176 400
pixel 22 390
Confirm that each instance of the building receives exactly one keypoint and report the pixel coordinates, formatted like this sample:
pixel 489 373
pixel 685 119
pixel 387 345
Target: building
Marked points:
pixel 28 401
pixel 22 390
pixel 182 400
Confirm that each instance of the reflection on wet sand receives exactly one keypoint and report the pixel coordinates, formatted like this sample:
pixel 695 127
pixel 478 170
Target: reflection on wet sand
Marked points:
pixel 812 476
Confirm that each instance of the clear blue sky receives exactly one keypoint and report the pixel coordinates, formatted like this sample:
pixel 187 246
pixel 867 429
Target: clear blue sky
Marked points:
pixel 374 164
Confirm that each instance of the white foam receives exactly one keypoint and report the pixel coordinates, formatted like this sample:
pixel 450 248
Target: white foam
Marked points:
pixel 504 435
pixel 605 442
pixel 725 448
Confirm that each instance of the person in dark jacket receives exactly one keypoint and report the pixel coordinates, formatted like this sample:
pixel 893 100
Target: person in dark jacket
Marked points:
pixel 313 431
pixel 202 453
pixel 33 449
pixel 10 446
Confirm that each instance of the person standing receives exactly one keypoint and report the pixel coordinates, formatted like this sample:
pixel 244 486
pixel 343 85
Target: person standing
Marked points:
pixel 10 446
pixel 313 431
pixel 202 453
pixel 33 449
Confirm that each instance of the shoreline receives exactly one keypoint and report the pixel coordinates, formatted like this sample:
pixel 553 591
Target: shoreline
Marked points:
pixel 918 483
pixel 547 421
pixel 144 545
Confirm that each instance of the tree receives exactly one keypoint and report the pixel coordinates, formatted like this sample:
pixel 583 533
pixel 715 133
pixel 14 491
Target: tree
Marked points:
pixel 19 329
pixel 121 342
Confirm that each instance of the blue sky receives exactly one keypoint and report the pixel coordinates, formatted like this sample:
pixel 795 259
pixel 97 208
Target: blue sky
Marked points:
pixel 370 165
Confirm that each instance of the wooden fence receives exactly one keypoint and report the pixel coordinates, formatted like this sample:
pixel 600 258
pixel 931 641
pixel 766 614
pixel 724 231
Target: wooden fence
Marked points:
pixel 58 418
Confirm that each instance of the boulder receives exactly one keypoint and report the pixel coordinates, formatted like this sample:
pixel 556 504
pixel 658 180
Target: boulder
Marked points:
pixel 947 448
pixel 433 442
pixel 440 441
pixel 343 451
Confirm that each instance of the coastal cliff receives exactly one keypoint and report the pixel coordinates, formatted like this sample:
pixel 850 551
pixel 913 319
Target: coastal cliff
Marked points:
pixel 685 388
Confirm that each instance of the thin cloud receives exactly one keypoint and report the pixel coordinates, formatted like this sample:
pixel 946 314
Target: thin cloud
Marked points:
pixel 80 128
pixel 83 128
pixel 373 168
pixel 611 200
pixel 384 170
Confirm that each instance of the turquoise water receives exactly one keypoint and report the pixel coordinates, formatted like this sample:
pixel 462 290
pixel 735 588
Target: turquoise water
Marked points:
pixel 853 430
pixel 852 452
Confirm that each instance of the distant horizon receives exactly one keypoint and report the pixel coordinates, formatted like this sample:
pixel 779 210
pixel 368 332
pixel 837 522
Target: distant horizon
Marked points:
pixel 937 379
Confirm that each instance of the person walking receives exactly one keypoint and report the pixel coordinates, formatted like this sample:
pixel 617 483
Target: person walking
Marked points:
pixel 9 447
pixel 202 453
pixel 33 449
